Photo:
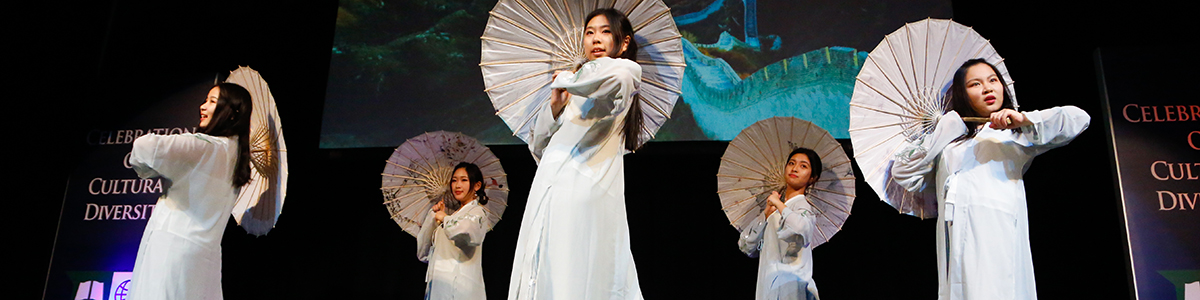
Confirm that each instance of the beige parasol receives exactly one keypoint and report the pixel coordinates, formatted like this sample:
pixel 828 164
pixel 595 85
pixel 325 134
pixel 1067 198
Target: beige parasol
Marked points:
pixel 899 96
pixel 417 176
pixel 261 200
pixel 753 167
pixel 526 41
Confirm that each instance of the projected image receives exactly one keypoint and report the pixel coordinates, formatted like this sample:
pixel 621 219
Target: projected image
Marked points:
pixel 399 69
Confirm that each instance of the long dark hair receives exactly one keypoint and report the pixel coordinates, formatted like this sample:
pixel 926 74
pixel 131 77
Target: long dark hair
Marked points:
pixel 814 163
pixel 633 120
pixel 232 118
pixel 958 100
pixel 474 176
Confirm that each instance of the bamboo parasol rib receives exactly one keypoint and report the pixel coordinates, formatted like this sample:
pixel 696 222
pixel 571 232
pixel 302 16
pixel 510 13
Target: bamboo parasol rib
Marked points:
pixel 260 201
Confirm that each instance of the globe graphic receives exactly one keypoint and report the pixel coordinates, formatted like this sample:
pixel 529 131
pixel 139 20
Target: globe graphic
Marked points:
pixel 121 291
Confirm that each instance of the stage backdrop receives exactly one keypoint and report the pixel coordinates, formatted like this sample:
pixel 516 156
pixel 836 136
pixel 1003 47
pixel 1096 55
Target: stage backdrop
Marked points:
pixel 404 68
pixel 106 205
pixel 1155 140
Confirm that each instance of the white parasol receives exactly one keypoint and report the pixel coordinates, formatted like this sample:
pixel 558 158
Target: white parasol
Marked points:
pixel 417 176
pixel 261 200
pixel 526 41
pixel 899 96
pixel 753 167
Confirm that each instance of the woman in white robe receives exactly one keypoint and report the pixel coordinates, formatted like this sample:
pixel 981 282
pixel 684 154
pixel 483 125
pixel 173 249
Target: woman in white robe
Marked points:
pixel 452 243
pixel 782 242
pixel 574 237
pixel 977 169
pixel 180 253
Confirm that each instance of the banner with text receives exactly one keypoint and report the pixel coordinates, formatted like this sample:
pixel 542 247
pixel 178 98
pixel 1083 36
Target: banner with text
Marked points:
pixel 106 205
pixel 1155 140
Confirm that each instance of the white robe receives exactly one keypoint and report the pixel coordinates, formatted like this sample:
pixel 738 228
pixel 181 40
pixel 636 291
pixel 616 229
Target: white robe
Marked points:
pixel 983 231
pixel 180 253
pixel 454 251
pixel 783 246
pixel 574 238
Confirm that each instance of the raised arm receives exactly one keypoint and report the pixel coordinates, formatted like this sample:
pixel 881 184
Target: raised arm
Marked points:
pixel 911 165
pixel 603 79
pixel 1054 127
pixel 750 240
pixel 169 156
pixel 425 238
pixel 795 228
pixel 544 126
pixel 466 228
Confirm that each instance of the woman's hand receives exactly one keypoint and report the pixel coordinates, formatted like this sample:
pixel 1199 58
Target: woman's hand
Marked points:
pixel 439 211
pixel 1008 119
pixel 773 204
pixel 558 97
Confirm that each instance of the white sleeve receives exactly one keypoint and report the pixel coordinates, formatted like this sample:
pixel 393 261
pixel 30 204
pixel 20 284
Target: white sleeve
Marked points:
pixel 425 238
pixel 795 229
pixel 603 79
pixel 466 228
pixel 169 156
pixel 544 126
pixel 911 165
pixel 605 88
pixel 1054 127
pixel 750 240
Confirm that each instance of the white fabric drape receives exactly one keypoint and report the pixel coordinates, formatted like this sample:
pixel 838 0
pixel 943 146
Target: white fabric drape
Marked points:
pixel 983 231
pixel 783 245
pixel 454 251
pixel 574 237
pixel 180 253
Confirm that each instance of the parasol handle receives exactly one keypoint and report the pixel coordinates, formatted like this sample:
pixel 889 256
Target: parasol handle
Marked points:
pixel 984 120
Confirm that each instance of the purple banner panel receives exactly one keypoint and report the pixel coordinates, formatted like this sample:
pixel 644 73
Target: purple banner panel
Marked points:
pixel 1154 128
pixel 106 205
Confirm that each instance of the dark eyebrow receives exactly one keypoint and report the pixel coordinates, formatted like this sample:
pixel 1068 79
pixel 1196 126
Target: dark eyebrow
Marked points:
pixel 984 77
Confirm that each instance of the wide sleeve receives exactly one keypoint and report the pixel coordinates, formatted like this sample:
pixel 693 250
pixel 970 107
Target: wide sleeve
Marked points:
pixel 425 238
pixel 603 92
pixel 913 164
pixel 610 82
pixel 169 156
pixel 605 84
pixel 750 240
pixel 1054 127
pixel 466 228
pixel 795 228
pixel 544 126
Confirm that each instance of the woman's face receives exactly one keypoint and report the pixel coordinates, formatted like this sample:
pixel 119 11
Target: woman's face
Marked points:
pixel 798 172
pixel 598 39
pixel 460 185
pixel 209 106
pixel 984 89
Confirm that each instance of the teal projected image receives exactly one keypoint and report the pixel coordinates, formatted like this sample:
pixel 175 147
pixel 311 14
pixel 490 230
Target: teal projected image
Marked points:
pixel 399 69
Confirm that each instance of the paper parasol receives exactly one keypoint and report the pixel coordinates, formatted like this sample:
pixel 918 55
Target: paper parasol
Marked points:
pixel 526 41
pixel 899 96
pixel 753 167
pixel 261 200
pixel 417 176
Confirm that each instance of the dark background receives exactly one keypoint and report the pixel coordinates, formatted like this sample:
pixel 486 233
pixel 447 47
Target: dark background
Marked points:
pixel 82 66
